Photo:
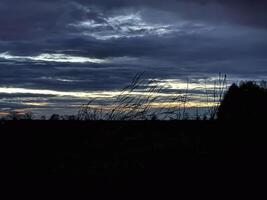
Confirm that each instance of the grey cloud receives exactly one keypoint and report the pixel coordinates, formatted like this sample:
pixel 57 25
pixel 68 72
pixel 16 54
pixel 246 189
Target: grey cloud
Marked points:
pixel 200 38
pixel 35 18
pixel 204 35
pixel 249 12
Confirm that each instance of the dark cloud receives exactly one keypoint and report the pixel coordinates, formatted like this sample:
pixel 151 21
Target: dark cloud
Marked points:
pixel 34 17
pixel 250 12
pixel 166 39
pixel 40 18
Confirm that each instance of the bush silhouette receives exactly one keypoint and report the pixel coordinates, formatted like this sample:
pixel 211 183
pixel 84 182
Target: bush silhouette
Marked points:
pixel 246 101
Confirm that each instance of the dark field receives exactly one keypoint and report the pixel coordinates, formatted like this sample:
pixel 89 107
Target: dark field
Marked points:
pixel 125 155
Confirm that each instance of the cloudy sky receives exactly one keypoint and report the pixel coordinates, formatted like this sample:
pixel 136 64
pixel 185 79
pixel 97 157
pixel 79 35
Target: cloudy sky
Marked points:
pixel 56 54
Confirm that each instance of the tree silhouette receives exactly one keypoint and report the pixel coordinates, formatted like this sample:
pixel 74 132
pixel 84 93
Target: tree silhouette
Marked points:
pixel 246 101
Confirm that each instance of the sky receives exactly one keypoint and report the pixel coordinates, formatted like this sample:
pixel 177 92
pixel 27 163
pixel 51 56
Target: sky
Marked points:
pixel 57 54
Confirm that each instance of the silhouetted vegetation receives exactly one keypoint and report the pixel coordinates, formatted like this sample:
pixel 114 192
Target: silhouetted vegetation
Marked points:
pixel 130 153
pixel 127 154
pixel 137 101
pixel 131 105
pixel 248 101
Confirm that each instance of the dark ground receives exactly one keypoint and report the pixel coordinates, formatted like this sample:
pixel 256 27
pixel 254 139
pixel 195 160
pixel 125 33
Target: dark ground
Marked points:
pixel 150 155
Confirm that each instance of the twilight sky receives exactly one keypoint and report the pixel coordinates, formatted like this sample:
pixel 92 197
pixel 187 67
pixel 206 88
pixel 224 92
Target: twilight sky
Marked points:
pixel 56 54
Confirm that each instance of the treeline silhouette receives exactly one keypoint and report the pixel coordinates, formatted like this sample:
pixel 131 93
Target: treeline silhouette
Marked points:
pixel 147 153
pixel 244 101
pixel 147 99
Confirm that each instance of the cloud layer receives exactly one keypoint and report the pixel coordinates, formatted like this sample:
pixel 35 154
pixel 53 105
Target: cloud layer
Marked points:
pixel 93 45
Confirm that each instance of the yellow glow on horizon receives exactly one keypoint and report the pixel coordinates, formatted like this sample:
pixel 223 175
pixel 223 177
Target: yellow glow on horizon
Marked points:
pixel 8 90
pixel 190 104
pixel 17 111
pixel 35 104
pixel 93 94
pixel 2 114
pixel 180 84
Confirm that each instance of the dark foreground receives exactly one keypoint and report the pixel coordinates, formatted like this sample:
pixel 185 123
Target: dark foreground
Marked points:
pixel 153 156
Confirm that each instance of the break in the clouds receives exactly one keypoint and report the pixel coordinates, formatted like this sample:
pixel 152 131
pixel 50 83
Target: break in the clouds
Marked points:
pixel 122 26
pixel 86 46
pixel 45 57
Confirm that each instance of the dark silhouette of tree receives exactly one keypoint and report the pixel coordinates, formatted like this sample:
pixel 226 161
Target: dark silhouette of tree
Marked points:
pixel 55 117
pixel 246 101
